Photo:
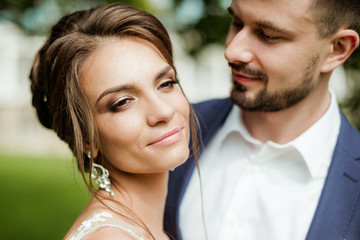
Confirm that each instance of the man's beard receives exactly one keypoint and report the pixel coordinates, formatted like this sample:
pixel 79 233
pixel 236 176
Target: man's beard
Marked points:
pixel 278 100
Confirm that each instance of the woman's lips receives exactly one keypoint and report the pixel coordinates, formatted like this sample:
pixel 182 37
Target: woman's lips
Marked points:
pixel 168 138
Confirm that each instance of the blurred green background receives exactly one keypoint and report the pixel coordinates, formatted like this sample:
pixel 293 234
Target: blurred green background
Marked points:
pixel 40 197
pixel 42 194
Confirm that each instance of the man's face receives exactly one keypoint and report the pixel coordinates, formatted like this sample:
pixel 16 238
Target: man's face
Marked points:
pixel 275 53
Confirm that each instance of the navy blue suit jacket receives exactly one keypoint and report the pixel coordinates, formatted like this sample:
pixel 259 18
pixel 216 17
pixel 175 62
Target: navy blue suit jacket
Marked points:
pixel 337 216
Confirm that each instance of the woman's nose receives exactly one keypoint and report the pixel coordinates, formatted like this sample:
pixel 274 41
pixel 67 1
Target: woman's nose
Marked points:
pixel 159 111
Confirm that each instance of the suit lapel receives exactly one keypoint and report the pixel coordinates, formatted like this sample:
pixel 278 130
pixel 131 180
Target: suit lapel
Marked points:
pixel 341 190
pixel 339 197
pixel 211 115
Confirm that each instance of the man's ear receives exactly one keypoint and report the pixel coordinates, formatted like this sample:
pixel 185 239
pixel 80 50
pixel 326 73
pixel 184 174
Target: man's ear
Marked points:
pixel 345 41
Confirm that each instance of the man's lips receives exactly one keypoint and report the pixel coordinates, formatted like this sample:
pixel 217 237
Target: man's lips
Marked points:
pixel 243 78
pixel 168 138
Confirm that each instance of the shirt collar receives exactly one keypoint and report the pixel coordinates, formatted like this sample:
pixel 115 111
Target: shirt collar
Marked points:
pixel 315 145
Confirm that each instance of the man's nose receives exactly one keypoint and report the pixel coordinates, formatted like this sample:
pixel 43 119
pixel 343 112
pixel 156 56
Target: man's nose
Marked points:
pixel 239 46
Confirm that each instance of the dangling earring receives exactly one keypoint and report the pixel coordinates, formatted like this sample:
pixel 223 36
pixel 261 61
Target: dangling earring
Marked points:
pixel 102 180
pixel 88 155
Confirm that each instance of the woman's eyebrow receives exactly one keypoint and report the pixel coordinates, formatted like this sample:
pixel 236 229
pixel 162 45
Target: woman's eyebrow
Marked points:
pixel 162 72
pixel 123 87
pixel 131 87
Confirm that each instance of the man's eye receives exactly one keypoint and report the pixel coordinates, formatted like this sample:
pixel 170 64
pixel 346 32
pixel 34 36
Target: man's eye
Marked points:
pixel 267 37
pixel 238 25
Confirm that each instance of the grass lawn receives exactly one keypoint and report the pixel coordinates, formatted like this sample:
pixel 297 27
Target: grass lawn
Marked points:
pixel 40 197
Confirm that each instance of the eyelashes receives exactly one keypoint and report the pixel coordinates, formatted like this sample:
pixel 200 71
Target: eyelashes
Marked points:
pixel 238 25
pixel 169 84
pixel 260 33
pixel 267 37
pixel 125 102
pixel 121 104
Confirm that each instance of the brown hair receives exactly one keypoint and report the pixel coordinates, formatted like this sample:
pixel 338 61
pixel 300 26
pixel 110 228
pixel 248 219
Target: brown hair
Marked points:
pixel 330 15
pixel 55 76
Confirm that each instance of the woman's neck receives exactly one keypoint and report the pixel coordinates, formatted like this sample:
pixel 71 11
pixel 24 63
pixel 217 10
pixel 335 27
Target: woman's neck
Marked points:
pixel 145 195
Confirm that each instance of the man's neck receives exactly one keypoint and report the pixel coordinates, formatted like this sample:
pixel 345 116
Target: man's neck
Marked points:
pixel 284 126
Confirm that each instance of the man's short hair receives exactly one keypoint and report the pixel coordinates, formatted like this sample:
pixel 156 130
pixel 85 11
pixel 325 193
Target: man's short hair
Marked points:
pixel 330 15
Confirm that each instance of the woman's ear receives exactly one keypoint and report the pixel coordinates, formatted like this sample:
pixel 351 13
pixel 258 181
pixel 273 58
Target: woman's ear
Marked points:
pixel 345 41
pixel 92 152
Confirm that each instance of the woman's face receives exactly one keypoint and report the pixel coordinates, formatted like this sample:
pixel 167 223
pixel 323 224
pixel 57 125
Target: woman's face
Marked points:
pixel 140 112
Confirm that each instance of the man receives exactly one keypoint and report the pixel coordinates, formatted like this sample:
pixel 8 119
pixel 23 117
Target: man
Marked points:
pixel 282 163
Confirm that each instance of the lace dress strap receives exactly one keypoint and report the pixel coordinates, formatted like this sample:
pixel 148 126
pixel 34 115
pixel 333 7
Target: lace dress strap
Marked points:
pixel 97 221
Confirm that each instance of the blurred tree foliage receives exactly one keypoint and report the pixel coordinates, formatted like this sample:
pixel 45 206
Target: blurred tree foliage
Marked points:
pixel 36 16
pixel 351 104
pixel 354 61
pixel 209 26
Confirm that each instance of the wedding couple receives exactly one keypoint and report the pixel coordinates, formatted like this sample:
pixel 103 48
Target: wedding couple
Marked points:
pixel 277 160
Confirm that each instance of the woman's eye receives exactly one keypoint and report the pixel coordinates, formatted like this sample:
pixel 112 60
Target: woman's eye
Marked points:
pixel 120 104
pixel 168 84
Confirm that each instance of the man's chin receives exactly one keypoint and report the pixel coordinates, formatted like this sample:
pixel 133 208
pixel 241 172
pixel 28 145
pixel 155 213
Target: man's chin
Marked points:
pixel 252 102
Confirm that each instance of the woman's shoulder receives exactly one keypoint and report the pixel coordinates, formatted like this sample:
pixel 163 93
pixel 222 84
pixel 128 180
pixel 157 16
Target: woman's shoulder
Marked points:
pixel 105 225
pixel 114 233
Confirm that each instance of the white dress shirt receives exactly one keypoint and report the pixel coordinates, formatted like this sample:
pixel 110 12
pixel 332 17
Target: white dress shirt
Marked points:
pixel 259 191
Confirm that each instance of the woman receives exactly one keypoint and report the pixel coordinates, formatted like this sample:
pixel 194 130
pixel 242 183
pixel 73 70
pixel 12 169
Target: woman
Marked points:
pixel 105 82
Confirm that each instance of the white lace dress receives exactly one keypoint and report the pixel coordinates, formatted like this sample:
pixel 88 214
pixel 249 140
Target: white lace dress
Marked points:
pixel 100 220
